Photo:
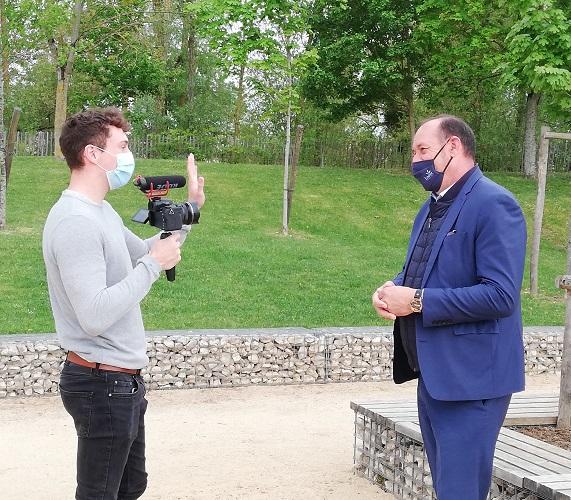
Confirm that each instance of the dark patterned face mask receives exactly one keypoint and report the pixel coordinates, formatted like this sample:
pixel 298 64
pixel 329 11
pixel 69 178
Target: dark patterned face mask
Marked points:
pixel 426 173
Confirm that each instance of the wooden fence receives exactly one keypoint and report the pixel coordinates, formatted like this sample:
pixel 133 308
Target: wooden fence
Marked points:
pixel 323 151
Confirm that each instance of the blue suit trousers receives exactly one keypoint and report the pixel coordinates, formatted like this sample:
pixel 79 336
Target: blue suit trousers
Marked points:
pixel 459 440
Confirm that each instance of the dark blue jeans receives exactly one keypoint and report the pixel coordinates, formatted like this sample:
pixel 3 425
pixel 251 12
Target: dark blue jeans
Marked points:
pixel 108 410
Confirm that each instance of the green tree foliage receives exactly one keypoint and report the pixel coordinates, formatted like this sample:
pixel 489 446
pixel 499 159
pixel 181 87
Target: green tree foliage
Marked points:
pixel 538 55
pixel 117 55
pixel 453 36
pixel 367 59
pixel 262 46
pixel 227 71
pixel 34 92
pixel 538 60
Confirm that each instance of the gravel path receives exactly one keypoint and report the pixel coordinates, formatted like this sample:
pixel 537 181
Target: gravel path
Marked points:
pixel 286 442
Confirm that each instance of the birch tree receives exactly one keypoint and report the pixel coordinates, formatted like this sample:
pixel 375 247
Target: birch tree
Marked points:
pixel 538 60
pixel 63 48
pixel 3 197
pixel 268 39
pixel 233 28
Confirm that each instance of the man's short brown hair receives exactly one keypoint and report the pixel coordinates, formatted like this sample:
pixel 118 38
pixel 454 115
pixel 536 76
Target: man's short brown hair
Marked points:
pixel 88 127
pixel 452 125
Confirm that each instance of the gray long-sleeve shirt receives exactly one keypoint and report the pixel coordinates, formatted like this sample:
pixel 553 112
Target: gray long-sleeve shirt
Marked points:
pixel 98 271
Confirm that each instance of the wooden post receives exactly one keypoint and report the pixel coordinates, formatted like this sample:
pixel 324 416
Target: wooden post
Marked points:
pixel 539 205
pixel 294 161
pixel 11 141
pixel 564 416
pixel 558 135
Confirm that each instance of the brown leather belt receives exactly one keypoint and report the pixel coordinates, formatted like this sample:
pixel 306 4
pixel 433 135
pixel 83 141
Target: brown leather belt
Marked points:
pixel 72 357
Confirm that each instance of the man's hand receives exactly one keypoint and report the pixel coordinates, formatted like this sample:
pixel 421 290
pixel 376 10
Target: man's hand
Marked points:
pixel 379 303
pixel 397 299
pixel 167 252
pixel 195 183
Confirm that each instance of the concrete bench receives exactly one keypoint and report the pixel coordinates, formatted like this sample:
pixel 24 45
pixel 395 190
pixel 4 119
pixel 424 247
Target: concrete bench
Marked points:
pixel 388 451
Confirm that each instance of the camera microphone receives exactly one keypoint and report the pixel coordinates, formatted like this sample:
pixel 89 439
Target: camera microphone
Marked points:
pixel 159 182
pixel 162 213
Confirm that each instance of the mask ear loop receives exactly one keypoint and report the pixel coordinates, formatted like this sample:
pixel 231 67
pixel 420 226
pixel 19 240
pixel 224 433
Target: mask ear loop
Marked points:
pixel 93 153
pixel 440 150
pixel 451 158
pixel 95 159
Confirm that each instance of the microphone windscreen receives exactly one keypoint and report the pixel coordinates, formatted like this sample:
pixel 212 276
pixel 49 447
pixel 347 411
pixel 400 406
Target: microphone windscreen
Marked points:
pixel 160 182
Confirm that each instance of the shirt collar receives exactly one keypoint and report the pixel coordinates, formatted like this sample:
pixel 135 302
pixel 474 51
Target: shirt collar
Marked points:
pixel 442 193
pixel 455 188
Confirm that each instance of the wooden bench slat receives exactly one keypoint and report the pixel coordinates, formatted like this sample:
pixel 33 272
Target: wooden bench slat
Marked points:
pixel 412 409
pixel 546 446
pixel 551 478
pixel 523 467
pixel 411 429
pixel 515 456
pixel 516 400
pixel 531 451
pixel 553 486
pixel 507 472
pixel 537 420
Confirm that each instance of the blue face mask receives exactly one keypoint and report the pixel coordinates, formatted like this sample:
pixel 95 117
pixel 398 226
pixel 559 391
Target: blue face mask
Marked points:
pixel 123 172
pixel 426 173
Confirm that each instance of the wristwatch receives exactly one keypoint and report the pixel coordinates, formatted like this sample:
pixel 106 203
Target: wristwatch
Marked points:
pixel 416 302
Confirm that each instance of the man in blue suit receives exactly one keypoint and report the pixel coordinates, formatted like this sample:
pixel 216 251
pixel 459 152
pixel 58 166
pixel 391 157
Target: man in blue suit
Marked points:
pixel 456 306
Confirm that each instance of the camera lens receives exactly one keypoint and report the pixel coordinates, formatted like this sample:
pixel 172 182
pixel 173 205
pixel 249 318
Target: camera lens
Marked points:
pixel 190 213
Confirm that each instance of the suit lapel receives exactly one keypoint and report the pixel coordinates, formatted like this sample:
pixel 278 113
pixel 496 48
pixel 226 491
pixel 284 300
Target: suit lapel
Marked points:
pixel 449 220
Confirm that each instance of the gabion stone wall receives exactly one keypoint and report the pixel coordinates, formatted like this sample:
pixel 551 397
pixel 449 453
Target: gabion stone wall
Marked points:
pixel 543 349
pixel 30 364
pixel 392 456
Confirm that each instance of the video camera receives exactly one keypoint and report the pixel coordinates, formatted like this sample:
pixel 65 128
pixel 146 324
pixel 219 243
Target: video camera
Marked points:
pixel 162 213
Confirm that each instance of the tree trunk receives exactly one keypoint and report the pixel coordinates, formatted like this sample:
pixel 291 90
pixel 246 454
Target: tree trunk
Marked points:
pixel 539 205
pixel 63 77
pixel 564 416
pixel 5 48
pixel 188 59
pixel 530 140
pixel 521 119
pixel 3 185
pixel 294 163
pixel 61 108
pixel 285 216
pixel 287 144
pixel 162 9
pixel 191 59
pixel 11 141
pixel 238 110
pixel 410 113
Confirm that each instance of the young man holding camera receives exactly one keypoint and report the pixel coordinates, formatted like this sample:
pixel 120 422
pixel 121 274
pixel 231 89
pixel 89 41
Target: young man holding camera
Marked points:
pixel 98 272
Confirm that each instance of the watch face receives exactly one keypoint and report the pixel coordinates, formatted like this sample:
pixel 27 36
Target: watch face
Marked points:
pixel 416 305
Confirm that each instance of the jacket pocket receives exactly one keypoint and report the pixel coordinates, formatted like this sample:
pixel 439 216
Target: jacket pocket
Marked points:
pixel 477 327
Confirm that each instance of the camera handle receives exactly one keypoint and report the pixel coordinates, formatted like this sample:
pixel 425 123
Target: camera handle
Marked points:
pixel 169 272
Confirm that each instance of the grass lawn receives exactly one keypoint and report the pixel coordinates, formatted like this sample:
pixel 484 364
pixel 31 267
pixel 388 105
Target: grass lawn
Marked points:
pixel 349 234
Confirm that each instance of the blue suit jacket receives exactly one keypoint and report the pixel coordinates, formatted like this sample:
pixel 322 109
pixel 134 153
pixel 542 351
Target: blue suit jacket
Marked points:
pixel 469 334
